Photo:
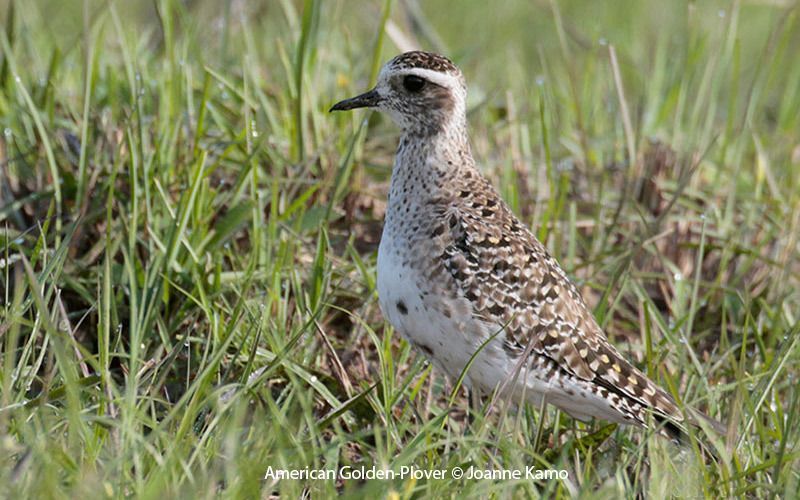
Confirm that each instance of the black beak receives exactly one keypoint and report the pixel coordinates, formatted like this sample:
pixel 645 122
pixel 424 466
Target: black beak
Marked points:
pixel 366 100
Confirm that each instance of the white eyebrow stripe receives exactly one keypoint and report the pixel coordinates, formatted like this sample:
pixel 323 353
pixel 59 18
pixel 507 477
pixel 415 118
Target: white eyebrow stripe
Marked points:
pixel 441 79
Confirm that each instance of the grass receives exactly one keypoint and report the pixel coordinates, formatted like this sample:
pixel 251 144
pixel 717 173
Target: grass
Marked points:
pixel 188 240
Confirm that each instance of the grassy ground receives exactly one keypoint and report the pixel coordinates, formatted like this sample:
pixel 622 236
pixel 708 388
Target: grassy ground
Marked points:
pixel 178 212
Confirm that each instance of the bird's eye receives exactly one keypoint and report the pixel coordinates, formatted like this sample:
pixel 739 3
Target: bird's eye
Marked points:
pixel 413 83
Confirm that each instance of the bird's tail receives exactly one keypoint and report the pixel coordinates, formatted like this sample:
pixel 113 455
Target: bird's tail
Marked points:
pixel 677 431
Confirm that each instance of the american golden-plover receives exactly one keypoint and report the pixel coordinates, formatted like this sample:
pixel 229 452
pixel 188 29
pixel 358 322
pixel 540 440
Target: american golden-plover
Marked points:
pixel 459 273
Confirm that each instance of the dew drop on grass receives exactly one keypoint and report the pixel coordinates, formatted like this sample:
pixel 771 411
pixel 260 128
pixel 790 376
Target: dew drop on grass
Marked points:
pixel 603 41
pixel 540 80
pixel 678 277
pixel 7 132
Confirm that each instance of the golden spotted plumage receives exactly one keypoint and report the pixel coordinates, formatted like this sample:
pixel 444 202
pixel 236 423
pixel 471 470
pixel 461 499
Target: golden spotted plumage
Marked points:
pixel 458 271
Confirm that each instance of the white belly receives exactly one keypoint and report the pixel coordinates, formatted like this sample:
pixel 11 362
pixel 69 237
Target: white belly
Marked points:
pixel 403 305
pixel 449 340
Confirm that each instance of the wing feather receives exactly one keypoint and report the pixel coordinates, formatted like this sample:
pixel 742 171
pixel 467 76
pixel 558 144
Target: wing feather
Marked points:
pixel 510 279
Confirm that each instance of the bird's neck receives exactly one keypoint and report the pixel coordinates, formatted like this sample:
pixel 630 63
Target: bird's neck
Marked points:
pixel 427 161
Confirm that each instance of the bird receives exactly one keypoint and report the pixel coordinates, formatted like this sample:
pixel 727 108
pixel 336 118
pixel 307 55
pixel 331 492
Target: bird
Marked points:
pixel 470 286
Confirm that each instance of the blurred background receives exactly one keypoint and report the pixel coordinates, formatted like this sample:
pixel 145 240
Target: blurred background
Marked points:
pixel 178 209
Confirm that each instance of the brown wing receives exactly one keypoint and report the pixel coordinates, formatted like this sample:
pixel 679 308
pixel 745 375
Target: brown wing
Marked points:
pixel 510 279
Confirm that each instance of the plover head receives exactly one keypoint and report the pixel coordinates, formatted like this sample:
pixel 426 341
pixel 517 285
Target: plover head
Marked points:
pixel 422 92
